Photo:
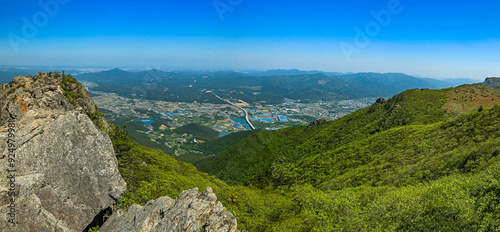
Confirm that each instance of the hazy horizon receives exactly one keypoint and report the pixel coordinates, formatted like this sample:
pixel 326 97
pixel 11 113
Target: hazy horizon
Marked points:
pixel 92 69
pixel 445 39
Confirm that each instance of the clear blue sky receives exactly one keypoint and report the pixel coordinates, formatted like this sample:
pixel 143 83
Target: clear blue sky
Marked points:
pixel 442 39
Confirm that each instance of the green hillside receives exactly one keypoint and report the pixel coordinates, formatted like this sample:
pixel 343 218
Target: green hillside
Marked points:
pixel 151 174
pixel 403 156
pixel 416 162
pixel 411 107
pixel 218 145
pixel 198 131
pixel 292 145
pixel 200 151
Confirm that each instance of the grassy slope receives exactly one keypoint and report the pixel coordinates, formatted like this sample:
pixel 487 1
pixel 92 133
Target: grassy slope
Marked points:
pixel 405 155
pixel 492 82
pixel 220 144
pixel 198 131
pixel 214 146
pixel 467 98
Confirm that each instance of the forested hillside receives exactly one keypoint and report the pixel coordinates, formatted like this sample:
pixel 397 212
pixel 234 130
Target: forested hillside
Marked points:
pixel 292 144
pixel 413 107
pixel 411 148
pixel 423 160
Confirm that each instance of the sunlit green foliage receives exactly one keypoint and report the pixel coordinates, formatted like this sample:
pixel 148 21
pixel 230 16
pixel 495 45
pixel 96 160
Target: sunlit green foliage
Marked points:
pixel 96 118
pixel 404 165
pixel 218 145
pixel 151 173
pixel 250 160
pixel 402 156
pixel 94 229
pixel 418 170
pixel 69 86
pixel 454 203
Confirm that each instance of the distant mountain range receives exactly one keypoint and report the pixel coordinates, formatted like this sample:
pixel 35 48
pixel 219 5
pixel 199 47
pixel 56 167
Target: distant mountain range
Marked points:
pixel 292 72
pixel 271 86
pixel 372 77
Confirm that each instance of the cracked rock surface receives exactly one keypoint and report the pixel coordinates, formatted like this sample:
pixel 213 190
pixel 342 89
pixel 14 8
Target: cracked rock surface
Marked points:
pixel 189 212
pixel 67 173
pixel 66 169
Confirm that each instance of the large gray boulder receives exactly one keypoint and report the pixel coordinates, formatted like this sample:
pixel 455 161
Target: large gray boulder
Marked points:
pixel 189 212
pixel 66 169
pixel 66 172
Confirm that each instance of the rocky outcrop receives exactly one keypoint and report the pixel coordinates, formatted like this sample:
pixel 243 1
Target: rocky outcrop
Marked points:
pixel 380 100
pixel 65 168
pixel 44 92
pixel 317 122
pixel 492 82
pixel 190 211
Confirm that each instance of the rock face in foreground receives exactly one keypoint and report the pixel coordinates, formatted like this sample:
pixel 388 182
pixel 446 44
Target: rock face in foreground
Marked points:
pixel 191 211
pixel 66 169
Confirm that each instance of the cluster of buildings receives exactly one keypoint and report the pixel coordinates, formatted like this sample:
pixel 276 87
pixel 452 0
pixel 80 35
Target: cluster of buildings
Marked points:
pixel 220 117
pixel 269 118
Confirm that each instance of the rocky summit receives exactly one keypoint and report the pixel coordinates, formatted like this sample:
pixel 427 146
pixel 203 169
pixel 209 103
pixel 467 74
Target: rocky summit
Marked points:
pixel 43 92
pixel 492 82
pixel 59 171
pixel 189 212
pixel 65 168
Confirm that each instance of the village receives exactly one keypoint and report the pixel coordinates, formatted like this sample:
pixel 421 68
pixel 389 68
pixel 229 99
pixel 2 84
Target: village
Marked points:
pixel 166 122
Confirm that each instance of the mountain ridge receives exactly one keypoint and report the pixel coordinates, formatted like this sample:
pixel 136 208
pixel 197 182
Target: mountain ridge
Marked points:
pixel 187 86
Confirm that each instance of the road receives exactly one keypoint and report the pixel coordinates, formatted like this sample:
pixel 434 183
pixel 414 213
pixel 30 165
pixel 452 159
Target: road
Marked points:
pixel 247 118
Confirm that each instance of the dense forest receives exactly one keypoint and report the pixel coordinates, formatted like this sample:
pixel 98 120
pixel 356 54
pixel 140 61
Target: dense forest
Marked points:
pixel 425 160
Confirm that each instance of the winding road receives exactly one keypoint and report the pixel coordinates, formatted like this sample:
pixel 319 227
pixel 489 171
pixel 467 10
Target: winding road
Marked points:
pixel 247 118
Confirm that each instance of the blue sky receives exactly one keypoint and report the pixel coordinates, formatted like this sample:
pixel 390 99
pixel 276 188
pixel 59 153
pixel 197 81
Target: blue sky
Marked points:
pixel 440 39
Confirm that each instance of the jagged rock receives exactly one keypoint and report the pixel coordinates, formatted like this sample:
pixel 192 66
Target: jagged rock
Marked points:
pixel 66 169
pixel 317 122
pixel 380 100
pixel 42 91
pixel 191 211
